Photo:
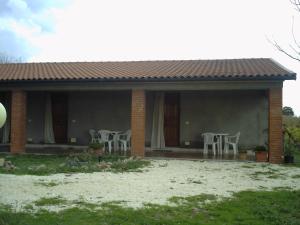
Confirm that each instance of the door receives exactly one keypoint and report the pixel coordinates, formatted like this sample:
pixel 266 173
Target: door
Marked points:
pixel 60 117
pixel 171 119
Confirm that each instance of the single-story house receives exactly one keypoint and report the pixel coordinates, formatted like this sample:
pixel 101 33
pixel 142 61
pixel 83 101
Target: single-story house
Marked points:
pixel 164 103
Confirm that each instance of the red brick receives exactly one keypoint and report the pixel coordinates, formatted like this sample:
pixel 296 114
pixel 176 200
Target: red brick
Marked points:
pixel 18 121
pixel 138 123
pixel 275 126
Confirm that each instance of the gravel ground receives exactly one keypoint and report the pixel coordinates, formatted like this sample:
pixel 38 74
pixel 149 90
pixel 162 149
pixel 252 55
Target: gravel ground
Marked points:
pixel 164 179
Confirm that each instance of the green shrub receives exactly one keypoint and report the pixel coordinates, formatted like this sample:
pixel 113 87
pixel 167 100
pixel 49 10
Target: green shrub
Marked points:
pixel 77 158
pixel 292 125
pixel 260 148
pixel 96 145
pixel 295 132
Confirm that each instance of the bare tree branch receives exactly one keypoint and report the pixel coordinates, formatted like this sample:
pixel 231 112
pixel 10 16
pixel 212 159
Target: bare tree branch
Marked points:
pixel 279 48
pixel 295 47
pixel 296 3
pixel 5 58
pixel 297 52
pixel 293 34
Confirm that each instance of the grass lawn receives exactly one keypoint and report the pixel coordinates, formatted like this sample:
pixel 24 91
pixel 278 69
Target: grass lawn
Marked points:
pixel 50 164
pixel 258 207
pixel 251 208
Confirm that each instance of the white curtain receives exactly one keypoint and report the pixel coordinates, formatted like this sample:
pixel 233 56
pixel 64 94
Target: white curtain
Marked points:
pixel 6 127
pixel 48 129
pixel 157 135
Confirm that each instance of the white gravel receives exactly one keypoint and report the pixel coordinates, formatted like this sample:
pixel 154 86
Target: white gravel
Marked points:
pixel 164 179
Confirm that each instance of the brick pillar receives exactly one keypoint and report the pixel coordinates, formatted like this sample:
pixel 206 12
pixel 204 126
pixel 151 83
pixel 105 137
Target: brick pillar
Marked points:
pixel 275 126
pixel 138 123
pixel 18 121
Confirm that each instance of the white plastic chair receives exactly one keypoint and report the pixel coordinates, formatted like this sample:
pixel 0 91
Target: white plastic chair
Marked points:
pixel 94 137
pixel 233 142
pixel 124 140
pixel 209 139
pixel 105 139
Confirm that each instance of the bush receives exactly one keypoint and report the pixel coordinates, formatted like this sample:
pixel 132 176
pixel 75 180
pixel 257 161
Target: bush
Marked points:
pixel 289 148
pixel 292 125
pixel 290 141
pixel 260 148
pixel 96 145
pixel 295 132
pixel 76 160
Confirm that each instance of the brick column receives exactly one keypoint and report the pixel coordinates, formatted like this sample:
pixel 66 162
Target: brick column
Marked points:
pixel 18 121
pixel 138 123
pixel 275 126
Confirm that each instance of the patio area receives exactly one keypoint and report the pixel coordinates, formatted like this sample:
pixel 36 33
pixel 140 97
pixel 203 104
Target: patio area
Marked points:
pixel 190 153
pixel 176 123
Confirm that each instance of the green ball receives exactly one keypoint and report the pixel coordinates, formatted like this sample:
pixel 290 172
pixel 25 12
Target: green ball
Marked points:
pixel 2 115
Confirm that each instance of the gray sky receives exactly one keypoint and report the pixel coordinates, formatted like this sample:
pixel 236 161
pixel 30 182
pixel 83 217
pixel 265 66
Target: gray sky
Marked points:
pixel 87 30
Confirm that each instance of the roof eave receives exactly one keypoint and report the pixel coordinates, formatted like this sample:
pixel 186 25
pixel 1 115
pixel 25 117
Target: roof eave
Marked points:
pixel 291 76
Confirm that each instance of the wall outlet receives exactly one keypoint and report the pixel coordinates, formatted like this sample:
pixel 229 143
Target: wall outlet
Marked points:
pixel 73 140
pixel 187 143
pixel 187 122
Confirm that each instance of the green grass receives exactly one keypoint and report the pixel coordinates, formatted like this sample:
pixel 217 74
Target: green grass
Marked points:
pixel 47 184
pixel 270 173
pixel 26 163
pixel 50 201
pixel 32 164
pixel 245 208
pixel 248 166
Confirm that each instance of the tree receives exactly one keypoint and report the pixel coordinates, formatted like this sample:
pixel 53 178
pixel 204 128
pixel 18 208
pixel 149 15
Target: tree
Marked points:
pixel 294 48
pixel 287 111
pixel 5 58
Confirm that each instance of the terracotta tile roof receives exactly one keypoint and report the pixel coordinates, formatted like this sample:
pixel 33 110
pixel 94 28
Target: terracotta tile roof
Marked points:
pixel 231 69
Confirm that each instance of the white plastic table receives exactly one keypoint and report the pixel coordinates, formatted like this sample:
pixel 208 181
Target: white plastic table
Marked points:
pixel 220 137
pixel 115 135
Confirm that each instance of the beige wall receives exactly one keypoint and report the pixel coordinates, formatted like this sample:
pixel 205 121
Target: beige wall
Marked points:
pixel 205 111
pixel 86 110
pixel 98 110
pixel 219 111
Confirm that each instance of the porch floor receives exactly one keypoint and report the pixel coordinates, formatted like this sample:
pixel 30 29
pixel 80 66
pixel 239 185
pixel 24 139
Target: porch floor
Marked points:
pixel 54 148
pixel 183 153
pixel 190 153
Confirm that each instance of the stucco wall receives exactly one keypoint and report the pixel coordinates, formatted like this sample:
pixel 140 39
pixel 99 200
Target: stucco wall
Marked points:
pixel 219 111
pixel 35 116
pixel 98 110
pixel 200 111
pixel 86 110
pixel 225 112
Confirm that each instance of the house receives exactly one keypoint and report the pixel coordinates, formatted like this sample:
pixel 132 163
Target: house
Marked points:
pixel 164 103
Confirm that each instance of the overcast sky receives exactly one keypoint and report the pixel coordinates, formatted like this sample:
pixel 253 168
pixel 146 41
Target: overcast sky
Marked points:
pixel 87 30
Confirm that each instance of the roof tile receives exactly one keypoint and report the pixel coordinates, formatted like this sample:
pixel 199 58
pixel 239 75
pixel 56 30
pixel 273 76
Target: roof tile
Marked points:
pixel 176 69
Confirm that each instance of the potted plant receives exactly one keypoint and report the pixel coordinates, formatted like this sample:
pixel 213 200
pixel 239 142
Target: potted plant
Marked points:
pixel 243 154
pixel 96 148
pixel 261 153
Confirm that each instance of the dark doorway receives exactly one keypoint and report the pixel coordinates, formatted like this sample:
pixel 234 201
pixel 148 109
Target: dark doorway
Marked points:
pixel 60 117
pixel 171 119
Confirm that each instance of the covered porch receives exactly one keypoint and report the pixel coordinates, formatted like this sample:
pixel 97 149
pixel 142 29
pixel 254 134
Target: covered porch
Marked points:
pixel 254 109
pixel 199 96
